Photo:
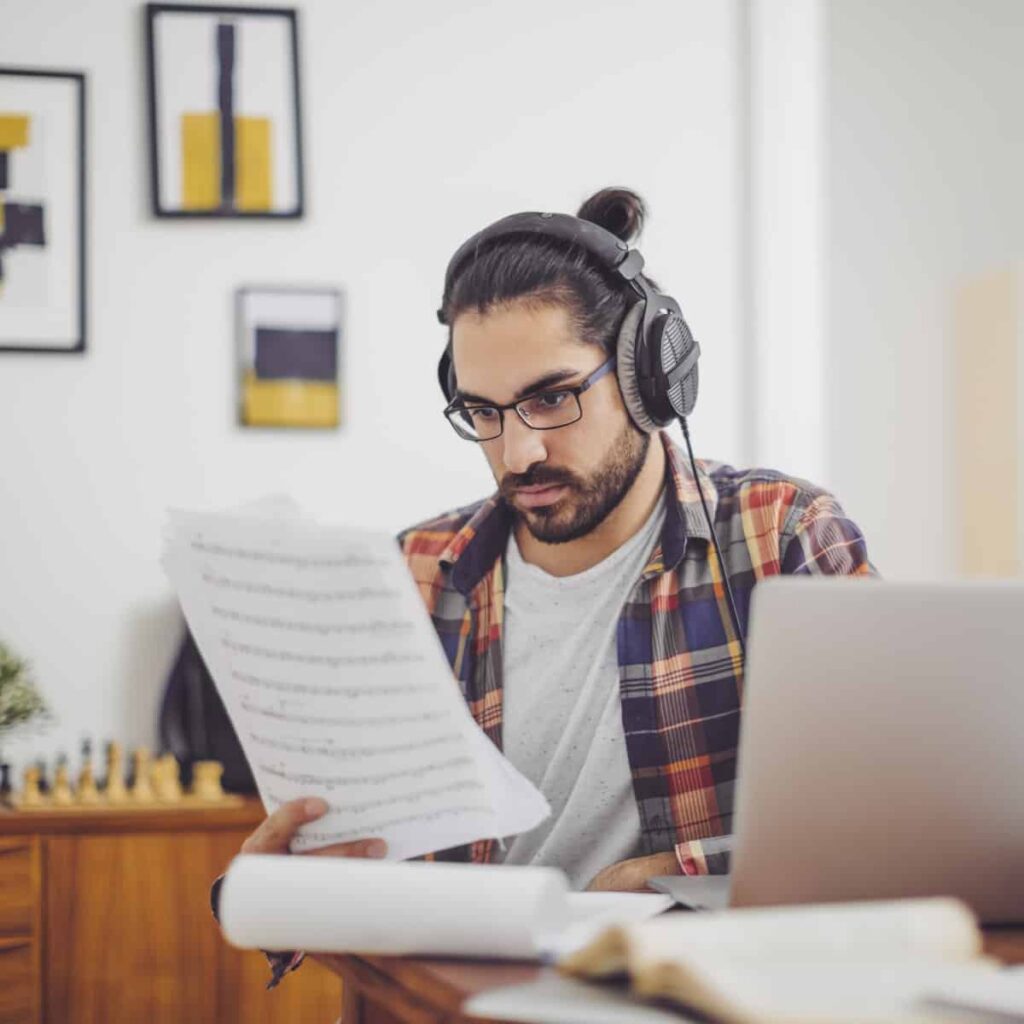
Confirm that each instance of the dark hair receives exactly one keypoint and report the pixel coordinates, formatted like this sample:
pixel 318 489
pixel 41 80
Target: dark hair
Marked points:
pixel 549 271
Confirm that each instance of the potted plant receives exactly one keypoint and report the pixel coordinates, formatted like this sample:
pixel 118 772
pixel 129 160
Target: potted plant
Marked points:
pixel 20 703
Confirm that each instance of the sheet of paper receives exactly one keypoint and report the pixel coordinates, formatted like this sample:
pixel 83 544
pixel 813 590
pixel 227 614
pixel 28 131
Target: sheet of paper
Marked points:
pixel 345 905
pixel 1000 992
pixel 584 915
pixel 339 905
pixel 337 686
pixel 553 999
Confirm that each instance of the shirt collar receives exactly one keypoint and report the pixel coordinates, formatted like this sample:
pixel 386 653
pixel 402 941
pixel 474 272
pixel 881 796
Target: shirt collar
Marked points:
pixel 474 549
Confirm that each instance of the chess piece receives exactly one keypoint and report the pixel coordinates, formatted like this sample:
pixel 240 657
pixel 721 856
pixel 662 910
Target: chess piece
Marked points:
pixel 30 795
pixel 85 790
pixel 116 791
pixel 142 786
pixel 44 783
pixel 167 779
pixel 206 780
pixel 5 783
pixel 62 795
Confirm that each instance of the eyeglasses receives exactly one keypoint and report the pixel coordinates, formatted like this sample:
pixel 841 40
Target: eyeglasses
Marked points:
pixel 546 410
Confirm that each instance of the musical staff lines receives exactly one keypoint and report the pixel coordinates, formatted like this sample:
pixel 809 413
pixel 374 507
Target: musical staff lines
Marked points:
pixel 345 720
pixel 326 660
pixel 343 690
pixel 381 778
pixel 290 559
pixel 299 593
pixel 337 686
pixel 350 753
pixel 374 626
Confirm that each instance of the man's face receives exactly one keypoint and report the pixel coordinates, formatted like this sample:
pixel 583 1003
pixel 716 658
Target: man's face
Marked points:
pixel 561 483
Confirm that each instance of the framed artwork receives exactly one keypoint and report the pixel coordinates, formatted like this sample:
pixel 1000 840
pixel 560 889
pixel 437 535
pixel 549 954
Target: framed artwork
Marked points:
pixel 224 112
pixel 289 343
pixel 42 210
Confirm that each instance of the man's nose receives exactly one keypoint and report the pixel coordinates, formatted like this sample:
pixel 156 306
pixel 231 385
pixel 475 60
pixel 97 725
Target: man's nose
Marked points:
pixel 523 446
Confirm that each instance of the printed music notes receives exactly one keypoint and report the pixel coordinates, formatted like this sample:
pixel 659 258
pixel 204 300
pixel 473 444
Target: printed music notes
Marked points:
pixel 337 685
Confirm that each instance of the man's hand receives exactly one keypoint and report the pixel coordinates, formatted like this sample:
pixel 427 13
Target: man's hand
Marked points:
pixel 276 831
pixel 632 875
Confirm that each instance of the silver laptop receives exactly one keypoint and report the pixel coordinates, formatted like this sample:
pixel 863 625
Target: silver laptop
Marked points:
pixel 882 748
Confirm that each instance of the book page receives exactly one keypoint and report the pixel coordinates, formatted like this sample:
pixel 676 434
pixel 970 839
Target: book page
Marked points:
pixel 875 991
pixel 853 962
pixel 336 684
pixel 906 930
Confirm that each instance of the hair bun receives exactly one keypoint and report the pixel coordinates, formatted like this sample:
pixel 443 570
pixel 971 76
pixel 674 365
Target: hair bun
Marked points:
pixel 619 210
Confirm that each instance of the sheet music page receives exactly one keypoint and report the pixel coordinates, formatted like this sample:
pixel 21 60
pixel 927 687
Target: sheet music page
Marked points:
pixel 337 685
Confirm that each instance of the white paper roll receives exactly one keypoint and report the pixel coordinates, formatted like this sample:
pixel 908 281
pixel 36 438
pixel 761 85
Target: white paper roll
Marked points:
pixel 338 905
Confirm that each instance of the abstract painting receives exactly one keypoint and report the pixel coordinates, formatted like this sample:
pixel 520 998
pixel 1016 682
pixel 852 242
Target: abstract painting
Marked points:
pixel 224 122
pixel 289 357
pixel 42 210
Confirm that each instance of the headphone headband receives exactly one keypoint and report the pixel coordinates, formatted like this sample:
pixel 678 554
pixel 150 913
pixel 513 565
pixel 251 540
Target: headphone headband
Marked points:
pixel 608 249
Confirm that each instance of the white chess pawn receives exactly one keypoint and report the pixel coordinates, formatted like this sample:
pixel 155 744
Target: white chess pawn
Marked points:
pixel 30 794
pixel 206 780
pixel 62 795
pixel 116 791
pixel 166 779
pixel 142 787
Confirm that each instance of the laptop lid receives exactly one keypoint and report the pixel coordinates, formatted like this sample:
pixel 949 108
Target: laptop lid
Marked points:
pixel 882 745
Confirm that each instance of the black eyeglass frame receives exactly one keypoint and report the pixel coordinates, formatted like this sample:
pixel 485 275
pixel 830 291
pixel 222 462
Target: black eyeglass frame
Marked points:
pixel 457 406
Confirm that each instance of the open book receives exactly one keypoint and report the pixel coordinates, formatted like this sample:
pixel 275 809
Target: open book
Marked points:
pixel 863 962
pixel 340 905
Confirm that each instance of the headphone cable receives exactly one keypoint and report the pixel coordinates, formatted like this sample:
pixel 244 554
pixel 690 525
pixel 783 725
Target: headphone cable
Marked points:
pixel 718 550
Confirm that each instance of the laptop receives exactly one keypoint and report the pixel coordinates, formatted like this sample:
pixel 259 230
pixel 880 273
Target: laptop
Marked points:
pixel 881 749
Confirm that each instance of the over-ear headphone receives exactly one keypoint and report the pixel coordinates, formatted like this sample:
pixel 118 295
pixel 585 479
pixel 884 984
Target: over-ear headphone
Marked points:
pixel 657 354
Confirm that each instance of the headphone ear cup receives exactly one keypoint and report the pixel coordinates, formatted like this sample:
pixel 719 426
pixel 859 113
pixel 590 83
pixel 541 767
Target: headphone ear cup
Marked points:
pixel 446 374
pixel 675 344
pixel 626 369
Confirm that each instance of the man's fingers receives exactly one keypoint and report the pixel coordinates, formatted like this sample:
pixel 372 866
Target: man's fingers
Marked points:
pixel 275 833
pixel 370 848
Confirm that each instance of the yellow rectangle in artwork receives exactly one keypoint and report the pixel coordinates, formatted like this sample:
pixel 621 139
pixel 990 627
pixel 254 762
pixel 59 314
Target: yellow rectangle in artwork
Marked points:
pixel 253 171
pixel 200 161
pixel 289 403
pixel 13 130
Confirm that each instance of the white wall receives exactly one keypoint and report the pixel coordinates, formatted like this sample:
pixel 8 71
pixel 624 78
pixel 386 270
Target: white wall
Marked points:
pixel 925 164
pixel 423 122
pixel 787 235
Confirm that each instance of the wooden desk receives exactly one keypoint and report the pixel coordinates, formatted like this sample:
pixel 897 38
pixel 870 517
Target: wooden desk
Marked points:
pixel 407 990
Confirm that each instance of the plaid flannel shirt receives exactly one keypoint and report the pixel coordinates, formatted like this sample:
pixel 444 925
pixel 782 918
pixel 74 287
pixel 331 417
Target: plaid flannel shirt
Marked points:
pixel 680 663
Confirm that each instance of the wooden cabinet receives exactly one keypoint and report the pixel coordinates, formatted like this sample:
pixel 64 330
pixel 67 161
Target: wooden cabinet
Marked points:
pixel 105 917
pixel 20 928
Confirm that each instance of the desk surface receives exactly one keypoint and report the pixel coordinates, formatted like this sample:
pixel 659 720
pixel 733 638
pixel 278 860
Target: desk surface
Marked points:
pixel 414 990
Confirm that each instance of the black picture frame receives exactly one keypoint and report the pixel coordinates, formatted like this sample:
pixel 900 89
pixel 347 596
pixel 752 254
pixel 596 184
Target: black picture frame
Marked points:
pixel 159 209
pixel 77 343
pixel 247 355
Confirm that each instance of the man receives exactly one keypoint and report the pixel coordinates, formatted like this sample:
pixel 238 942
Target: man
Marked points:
pixel 583 606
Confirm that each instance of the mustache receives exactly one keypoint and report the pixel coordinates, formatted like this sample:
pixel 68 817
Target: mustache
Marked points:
pixel 535 476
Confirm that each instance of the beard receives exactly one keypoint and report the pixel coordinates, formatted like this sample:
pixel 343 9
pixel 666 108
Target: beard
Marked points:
pixel 591 499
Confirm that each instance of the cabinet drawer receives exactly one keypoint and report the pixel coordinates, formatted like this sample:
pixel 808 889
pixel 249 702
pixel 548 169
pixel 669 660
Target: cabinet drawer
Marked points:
pixel 19 986
pixel 19 885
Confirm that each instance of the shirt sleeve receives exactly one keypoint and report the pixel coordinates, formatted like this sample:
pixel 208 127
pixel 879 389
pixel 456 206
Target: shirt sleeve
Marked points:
pixel 705 856
pixel 820 539
pixel 280 962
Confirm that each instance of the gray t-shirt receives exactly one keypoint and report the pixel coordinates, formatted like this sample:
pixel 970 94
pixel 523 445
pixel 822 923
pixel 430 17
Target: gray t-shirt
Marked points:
pixel 562 716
